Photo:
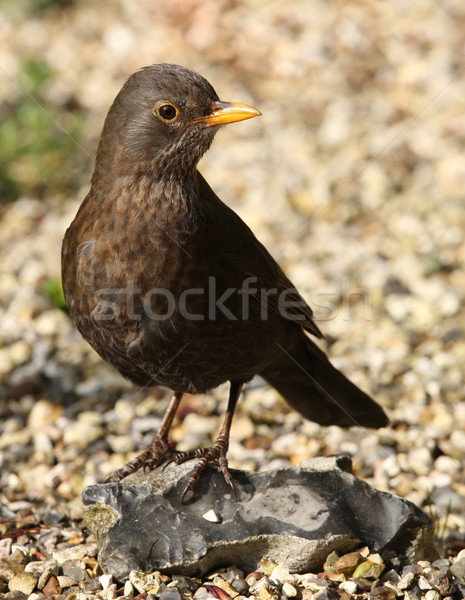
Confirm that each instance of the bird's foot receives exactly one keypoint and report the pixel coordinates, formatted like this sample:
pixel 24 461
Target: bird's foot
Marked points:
pixel 157 453
pixel 161 452
pixel 215 453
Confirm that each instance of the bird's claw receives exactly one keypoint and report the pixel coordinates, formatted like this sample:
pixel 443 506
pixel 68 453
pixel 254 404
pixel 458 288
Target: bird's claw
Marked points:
pixel 217 453
pixel 158 452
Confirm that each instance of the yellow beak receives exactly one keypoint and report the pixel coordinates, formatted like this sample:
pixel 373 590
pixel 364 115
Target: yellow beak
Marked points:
pixel 228 112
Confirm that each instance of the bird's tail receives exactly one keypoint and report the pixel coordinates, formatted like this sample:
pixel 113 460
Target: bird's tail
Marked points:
pixel 318 391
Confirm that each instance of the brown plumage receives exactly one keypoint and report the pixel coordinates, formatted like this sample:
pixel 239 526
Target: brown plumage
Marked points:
pixel 152 248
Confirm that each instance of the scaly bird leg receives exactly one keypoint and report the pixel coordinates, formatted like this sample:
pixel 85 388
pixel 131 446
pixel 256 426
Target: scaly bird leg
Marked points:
pixel 159 450
pixel 216 452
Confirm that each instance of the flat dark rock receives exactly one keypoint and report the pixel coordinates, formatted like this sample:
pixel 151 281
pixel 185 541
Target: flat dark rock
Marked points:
pixel 295 515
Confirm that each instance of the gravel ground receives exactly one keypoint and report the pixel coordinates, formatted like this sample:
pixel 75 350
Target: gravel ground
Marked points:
pixel 354 178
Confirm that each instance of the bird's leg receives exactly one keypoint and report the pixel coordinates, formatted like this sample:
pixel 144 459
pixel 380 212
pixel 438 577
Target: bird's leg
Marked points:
pixel 159 450
pixel 216 452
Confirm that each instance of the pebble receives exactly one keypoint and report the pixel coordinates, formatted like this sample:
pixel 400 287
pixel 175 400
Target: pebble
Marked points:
pixel 279 574
pixel 106 580
pixel 147 582
pixel 5 547
pixel 120 444
pixel 382 593
pixel 347 563
pixel 81 434
pixel 128 589
pixel 423 583
pixel 364 585
pixel 253 577
pixel 19 353
pixel 433 595
pixel 460 555
pixel 42 567
pixel 392 586
pixel 240 585
pixel 203 594
pixel 441 563
pixel 16 595
pixel 289 590
pixel 52 587
pixel 261 588
pixel 43 414
pixel 90 417
pixel 75 569
pixel 23 582
pixel 212 516
pixel 5 576
pixel 266 593
pixel 313 583
pixel 65 582
pixel 369 570
pixel 348 586
pixel 446 464
pixel 187 585
pixel 458 567
pixel 202 426
pixel 170 594
pixel 322 595
pixel 235 577
pixel 392 576
pixel 225 586
pixel 109 593
pixel 70 553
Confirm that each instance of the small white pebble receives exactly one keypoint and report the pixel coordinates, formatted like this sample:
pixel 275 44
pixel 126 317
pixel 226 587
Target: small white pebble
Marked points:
pixel 376 559
pixel 457 439
pixel 446 464
pixel 405 581
pixel 279 574
pixel 424 584
pixel 106 580
pixel 441 480
pixel 433 595
pixel 289 590
pixel 211 516
pixel 128 589
pixel 348 586
pixel 449 304
pixel 460 555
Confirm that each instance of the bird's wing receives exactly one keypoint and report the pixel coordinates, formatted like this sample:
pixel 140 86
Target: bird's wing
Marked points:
pixel 249 258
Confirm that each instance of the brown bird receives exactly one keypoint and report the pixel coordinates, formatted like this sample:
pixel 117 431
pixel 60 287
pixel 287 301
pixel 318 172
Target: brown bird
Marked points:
pixel 171 287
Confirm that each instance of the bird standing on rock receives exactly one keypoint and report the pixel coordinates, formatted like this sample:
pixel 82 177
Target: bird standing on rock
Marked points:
pixel 171 287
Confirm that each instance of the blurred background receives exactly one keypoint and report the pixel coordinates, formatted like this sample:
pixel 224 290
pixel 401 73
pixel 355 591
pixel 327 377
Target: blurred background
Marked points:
pixel 354 178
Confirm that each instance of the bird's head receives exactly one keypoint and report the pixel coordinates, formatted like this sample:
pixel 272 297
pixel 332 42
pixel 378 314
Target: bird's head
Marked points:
pixel 164 118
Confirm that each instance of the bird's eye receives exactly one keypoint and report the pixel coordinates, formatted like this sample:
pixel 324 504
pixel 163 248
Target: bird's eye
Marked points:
pixel 167 112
